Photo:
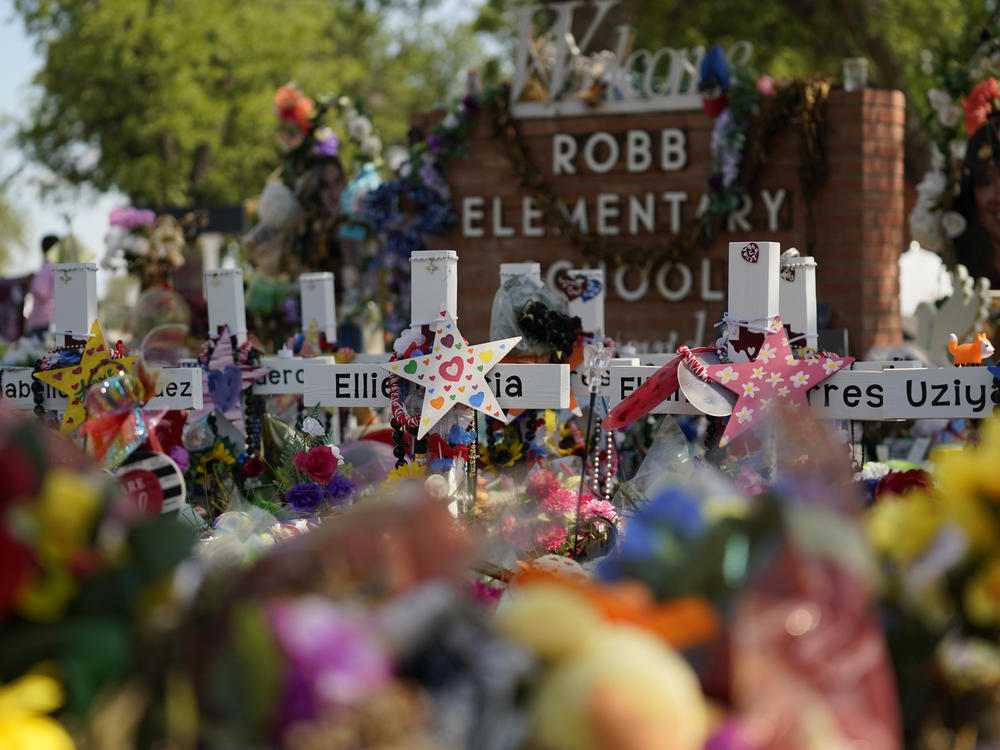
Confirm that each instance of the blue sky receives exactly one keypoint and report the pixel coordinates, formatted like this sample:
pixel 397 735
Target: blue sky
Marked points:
pixel 87 214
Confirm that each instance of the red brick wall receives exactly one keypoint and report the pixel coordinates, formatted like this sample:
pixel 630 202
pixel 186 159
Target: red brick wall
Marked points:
pixel 857 216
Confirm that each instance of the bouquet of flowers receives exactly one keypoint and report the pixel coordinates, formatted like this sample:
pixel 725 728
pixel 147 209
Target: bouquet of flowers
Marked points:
pixel 150 245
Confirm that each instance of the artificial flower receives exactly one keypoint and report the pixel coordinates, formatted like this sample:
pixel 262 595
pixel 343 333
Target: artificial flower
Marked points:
pixel 405 472
pixel 595 508
pixel 560 501
pixel 180 456
pixel 305 497
pixel 340 489
pixel 327 143
pixel 24 725
pixel 253 467
pixel 954 224
pixel 550 536
pixel 359 128
pixel 901 482
pixel 979 104
pixel 302 113
pixel 541 484
pixel 312 427
pixel 285 99
pixel 982 595
pixel 66 512
pixel 319 462
pixel 218 453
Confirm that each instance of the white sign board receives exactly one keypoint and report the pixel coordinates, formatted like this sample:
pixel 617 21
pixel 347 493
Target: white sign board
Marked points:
pixel 516 386
pixel 181 389
pixel 286 374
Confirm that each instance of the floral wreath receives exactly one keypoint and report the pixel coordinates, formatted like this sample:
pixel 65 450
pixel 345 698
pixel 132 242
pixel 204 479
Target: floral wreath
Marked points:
pixel 965 99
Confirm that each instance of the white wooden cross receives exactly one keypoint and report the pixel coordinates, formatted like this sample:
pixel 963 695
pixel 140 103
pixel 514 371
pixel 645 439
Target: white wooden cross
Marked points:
pixel 868 391
pixel 75 313
pixel 434 281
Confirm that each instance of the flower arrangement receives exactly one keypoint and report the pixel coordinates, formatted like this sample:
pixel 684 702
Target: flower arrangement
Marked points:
pixel 150 245
pixel 541 519
pixel 964 99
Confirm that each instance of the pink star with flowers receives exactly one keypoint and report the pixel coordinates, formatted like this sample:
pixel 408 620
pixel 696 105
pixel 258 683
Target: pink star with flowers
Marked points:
pixel 775 378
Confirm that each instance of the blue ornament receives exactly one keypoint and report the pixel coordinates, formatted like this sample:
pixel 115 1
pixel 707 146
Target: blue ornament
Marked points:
pixel 714 71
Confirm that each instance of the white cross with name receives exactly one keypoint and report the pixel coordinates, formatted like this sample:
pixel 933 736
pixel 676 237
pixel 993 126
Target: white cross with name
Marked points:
pixel 516 386
pixel 866 391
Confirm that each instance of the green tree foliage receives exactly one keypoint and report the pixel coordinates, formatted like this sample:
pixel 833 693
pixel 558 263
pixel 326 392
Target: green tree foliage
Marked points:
pixel 13 228
pixel 170 101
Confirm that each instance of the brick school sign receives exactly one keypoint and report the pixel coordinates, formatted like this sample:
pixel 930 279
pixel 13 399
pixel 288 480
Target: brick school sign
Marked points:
pixel 634 179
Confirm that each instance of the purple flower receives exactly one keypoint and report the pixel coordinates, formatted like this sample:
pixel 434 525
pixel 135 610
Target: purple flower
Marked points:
pixel 327 143
pixel 435 143
pixel 340 489
pixel 469 106
pixel 334 658
pixel 180 457
pixel 433 179
pixel 291 307
pixel 305 497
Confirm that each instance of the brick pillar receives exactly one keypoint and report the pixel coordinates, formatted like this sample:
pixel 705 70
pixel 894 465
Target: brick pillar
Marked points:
pixel 858 216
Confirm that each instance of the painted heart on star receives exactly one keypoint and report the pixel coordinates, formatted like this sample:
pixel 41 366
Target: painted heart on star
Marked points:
pixel 438 402
pixel 447 341
pixel 410 367
pixel 452 369
pixel 476 399
pixel 486 356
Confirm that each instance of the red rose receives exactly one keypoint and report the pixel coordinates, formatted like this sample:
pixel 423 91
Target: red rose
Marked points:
pixel 320 463
pixel 253 467
pixel 901 482
pixel 979 103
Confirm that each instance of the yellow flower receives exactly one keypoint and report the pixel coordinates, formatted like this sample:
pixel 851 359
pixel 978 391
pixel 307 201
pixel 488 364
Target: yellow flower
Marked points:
pixel 902 526
pixel 46 598
pixel 982 594
pixel 218 453
pixel 23 724
pixel 406 471
pixel 66 511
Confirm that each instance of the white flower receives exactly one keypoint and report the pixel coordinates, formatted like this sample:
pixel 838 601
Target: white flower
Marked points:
pixel 925 225
pixel 743 415
pixel 728 374
pixel 766 404
pixel 775 377
pixel 939 99
pixel 953 223
pixel 933 184
pixel 311 426
pixel 872 470
pixel 831 366
pixel 343 102
pixel 937 159
pixel 957 148
pixel 359 127
pixel 800 378
pixel 450 122
pixel 783 391
pixel 758 373
pixel 791 361
pixel 766 354
pixel 749 389
pixel 371 146
pixel 951 116
pixel 278 206
pixel 395 156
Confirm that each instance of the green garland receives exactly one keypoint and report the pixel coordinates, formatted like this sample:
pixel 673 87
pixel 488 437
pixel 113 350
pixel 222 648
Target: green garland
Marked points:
pixel 801 103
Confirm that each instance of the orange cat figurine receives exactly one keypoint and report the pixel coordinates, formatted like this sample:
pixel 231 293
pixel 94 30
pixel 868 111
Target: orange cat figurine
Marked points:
pixel 972 353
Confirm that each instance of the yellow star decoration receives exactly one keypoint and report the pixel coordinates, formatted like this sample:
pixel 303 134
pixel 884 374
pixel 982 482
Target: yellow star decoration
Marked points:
pixel 96 364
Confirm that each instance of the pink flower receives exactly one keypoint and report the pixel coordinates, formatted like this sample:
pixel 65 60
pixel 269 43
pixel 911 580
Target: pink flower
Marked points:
pixel 541 484
pixel 130 217
pixel 979 103
pixel 320 463
pixel 600 508
pixel 560 501
pixel 484 593
pixel 551 536
pixel 765 85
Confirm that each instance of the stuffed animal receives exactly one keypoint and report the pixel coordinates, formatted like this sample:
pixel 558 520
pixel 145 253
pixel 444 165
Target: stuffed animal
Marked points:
pixel 972 353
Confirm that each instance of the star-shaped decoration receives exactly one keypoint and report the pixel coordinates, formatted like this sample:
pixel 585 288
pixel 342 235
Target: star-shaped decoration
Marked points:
pixel 773 379
pixel 225 381
pixel 453 372
pixel 96 364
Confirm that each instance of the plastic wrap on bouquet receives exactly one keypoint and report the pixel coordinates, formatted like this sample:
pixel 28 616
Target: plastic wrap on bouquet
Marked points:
pixel 514 294
pixel 810 666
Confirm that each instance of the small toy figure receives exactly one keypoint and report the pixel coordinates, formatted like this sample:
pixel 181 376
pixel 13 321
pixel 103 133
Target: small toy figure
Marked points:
pixel 972 353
